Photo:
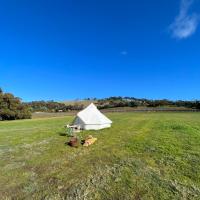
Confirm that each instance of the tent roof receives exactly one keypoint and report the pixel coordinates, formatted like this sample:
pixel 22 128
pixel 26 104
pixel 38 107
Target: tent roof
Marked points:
pixel 91 115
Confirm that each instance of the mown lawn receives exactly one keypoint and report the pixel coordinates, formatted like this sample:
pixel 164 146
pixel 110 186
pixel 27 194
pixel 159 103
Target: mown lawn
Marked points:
pixel 143 156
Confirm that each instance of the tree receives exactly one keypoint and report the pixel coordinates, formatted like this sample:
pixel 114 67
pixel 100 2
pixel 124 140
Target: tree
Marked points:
pixel 12 108
pixel 132 104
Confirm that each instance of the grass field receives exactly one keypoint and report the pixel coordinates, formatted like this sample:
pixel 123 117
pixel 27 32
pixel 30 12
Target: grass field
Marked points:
pixel 143 156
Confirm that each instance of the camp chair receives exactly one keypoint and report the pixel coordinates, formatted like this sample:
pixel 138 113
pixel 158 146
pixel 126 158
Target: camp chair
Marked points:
pixel 69 130
pixel 72 129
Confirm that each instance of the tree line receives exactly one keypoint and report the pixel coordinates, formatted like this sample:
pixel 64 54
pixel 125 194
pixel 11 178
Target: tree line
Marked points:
pixel 12 107
pixel 52 106
pixel 113 102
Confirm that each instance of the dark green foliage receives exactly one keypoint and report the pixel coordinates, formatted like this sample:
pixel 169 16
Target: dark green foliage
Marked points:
pixel 132 104
pixel 12 108
pixel 188 104
pixel 52 106
pixel 114 102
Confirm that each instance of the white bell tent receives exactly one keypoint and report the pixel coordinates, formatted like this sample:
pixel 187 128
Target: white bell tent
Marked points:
pixel 92 119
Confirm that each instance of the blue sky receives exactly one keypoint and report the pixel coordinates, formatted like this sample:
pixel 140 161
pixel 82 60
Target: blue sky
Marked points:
pixel 98 48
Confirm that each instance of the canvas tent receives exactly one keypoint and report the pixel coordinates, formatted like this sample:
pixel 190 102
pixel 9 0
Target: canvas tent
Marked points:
pixel 92 119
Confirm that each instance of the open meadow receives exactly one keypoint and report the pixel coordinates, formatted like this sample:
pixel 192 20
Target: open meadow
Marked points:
pixel 143 156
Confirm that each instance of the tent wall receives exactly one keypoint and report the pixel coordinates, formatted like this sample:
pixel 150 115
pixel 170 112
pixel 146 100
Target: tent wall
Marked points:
pixel 92 119
pixel 96 126
pixel 79 122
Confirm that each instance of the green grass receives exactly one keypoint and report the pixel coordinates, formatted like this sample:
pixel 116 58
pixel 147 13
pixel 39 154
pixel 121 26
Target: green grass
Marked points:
pixel 143 156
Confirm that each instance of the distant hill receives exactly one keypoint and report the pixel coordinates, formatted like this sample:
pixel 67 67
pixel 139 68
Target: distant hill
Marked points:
pixel 79 102
pixel 114 103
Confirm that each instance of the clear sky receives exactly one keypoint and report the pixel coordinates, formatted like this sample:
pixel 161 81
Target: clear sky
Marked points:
pixel 70 49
